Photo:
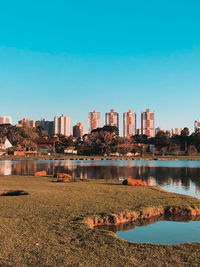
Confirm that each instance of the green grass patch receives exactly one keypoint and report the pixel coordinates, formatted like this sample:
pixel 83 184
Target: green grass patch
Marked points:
pixel 45 227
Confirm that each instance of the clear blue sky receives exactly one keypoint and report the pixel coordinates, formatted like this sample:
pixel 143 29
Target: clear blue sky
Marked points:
pixel 73 56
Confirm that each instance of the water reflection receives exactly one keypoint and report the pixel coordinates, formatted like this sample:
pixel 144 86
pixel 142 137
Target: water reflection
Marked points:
pixel 145 222
pixel 175 176
pixel 159 230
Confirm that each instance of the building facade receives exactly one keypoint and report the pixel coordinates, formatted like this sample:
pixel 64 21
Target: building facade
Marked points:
pixel 78 130
pixel 46 125
pixel 148 123
pixel 197 126
pixel 94 120
pixel 158 129
pixel 129 123
pixel 5 120
pixel 112 119
pixel 62 125
pixel 26 123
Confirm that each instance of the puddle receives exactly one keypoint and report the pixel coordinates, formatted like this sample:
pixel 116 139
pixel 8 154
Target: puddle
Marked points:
pixel 162 230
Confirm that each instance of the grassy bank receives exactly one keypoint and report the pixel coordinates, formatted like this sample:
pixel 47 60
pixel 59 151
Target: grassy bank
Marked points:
pixel 45 228
pixel 74 157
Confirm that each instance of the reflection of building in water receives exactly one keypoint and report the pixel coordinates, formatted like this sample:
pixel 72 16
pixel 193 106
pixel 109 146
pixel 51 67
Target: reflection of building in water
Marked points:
pixel 185 180
pixel 67 163
pixel 198 189
pixel 171 181
pixel 151 181
pixel 6 168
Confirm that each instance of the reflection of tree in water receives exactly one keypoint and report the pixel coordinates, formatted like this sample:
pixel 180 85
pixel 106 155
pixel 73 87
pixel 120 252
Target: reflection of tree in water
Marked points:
pixel 30 167
pixel 183 176
pixel 180 176
pixel 145 222
pixel 162 175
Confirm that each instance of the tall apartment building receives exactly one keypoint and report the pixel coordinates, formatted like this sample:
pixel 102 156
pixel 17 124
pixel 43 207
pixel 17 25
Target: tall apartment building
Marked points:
pixel 129 123
pixel 112 118
pixel 26 123
pixel 78 130
pixel 46 125
pixel 197 126
pixel 62 125
pixel 158 129
pixel 94 120
pixel 5 120
pixel 176 131
pixel 148 123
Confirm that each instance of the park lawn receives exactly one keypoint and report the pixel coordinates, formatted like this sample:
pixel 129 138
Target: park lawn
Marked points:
pixel 46 227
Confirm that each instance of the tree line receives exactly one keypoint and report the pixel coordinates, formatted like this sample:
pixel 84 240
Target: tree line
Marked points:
pixel 103 141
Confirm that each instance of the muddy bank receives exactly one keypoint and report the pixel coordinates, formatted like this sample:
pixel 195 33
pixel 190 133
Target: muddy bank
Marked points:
pixel 132 216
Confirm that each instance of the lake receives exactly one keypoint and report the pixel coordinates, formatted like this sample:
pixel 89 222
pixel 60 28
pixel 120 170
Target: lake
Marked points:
pixel 174 176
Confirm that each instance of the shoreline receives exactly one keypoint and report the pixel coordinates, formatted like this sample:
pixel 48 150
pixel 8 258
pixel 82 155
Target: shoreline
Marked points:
pixel 64 157
pixel 148 213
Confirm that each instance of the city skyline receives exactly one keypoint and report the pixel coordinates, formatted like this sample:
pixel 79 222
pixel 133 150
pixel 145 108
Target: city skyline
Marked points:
pixel 62 124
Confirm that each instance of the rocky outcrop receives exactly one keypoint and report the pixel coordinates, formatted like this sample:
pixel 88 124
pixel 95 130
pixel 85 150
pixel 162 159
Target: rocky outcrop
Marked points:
pixel 137 182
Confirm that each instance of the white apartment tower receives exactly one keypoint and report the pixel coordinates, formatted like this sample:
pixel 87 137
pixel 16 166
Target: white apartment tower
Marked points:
pixel 112 118
pixel 94 120
pixel 129 123
pixel 148 123
pixel 5 120
pixel 62 125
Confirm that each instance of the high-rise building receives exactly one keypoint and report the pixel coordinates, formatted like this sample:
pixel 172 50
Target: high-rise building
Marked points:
pixel 148 123
pixel 129 123
pixel 94 120
pixel 78 130
pixel 26 123
pixel 175 131
pixel 112 119
pixel 158 129
pixel 5 120
pixel 46 125
pixel 197 126
pixel 62 125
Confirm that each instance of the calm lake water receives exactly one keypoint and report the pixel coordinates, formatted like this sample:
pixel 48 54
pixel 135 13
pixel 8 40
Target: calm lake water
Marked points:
pixel 164 233
pixel 159 230
pixel 174 176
